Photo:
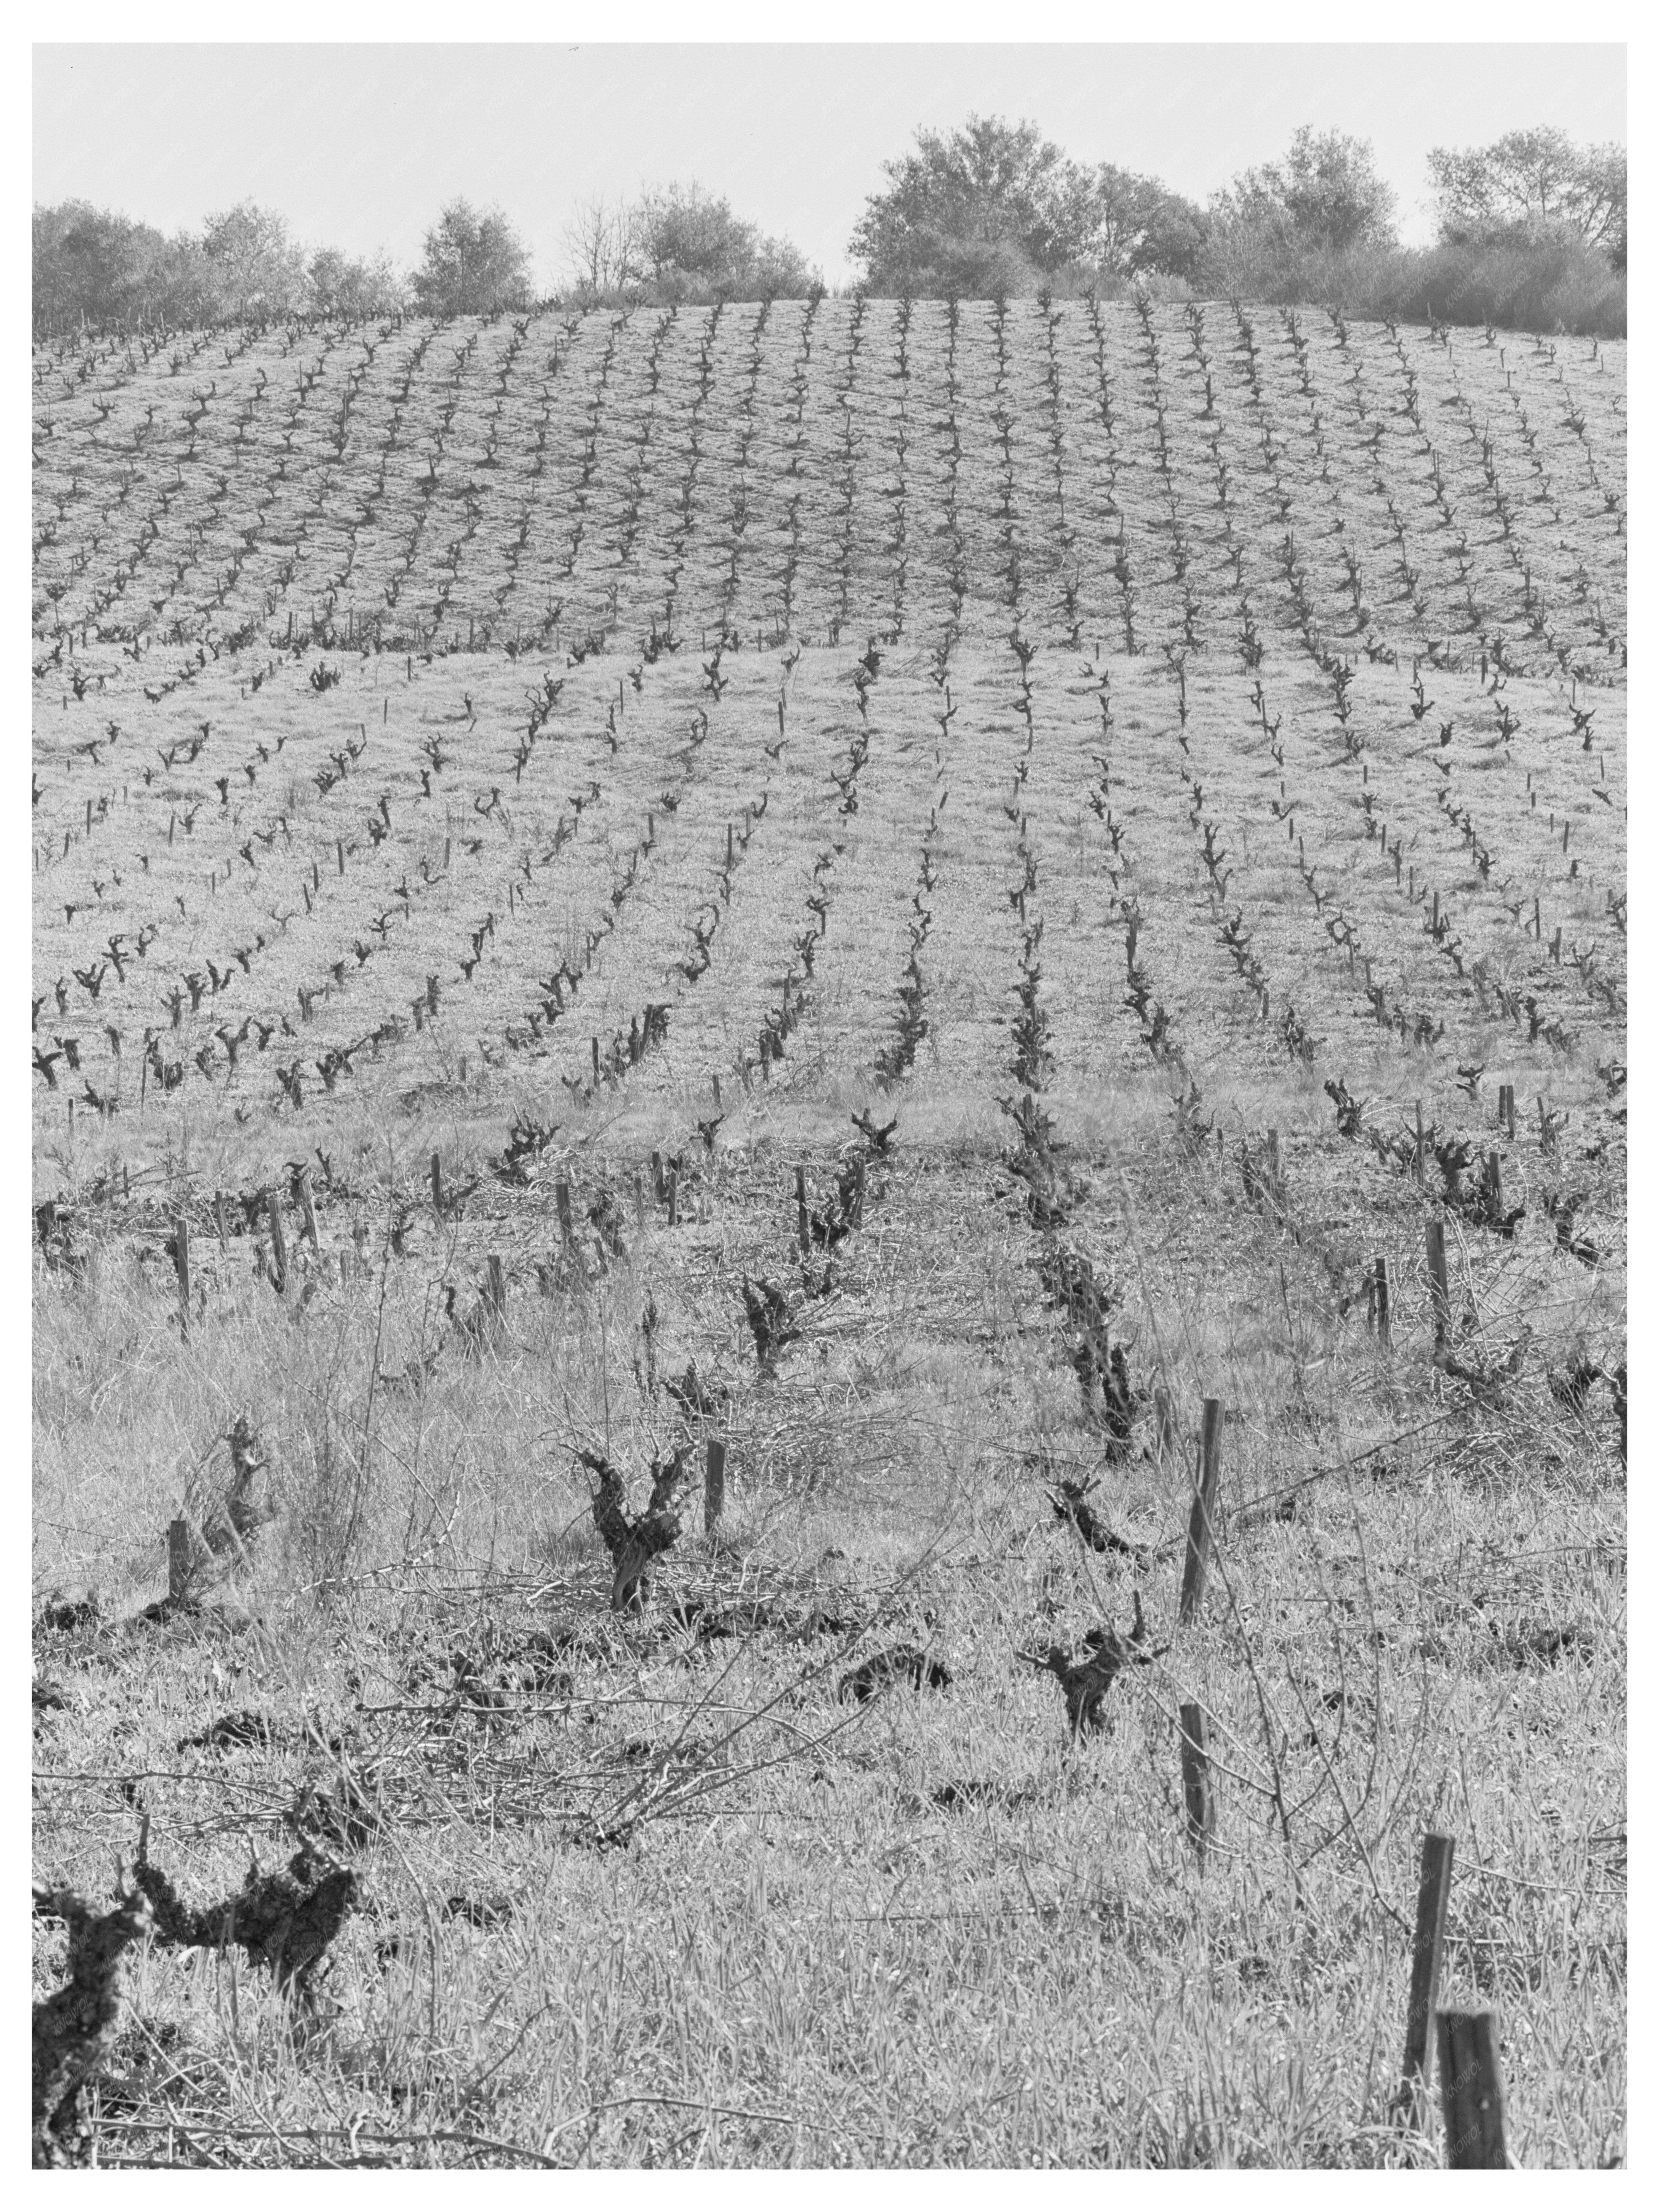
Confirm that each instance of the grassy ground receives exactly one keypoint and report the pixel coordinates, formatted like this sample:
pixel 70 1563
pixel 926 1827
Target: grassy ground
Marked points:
pixel 729 1918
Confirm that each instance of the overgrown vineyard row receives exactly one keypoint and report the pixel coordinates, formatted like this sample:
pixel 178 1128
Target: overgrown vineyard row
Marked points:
pixel 917 889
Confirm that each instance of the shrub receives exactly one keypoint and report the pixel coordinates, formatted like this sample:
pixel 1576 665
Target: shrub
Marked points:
pixel 1538 282
pixel 475 263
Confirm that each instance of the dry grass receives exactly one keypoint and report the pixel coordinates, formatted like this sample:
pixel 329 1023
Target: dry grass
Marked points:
pixel 798 1954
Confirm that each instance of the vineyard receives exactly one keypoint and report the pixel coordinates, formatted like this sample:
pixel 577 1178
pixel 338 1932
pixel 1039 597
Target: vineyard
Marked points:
pixel 712 990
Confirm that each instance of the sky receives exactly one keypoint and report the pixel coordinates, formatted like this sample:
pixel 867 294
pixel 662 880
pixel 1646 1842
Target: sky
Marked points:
pixel 359 146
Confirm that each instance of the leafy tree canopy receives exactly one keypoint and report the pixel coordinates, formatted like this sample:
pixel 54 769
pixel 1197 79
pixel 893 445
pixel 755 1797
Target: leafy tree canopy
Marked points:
pixel 1532 181
pixel 997 208
pixel 474 263
pixel 1325 193
pixel 258 264
pixel 94 266
pixel 356 289
pixel 688 236
pixel 679 242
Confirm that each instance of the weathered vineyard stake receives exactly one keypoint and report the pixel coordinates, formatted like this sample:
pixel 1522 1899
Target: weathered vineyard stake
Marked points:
pixel 1471 2090
pixel 1199 1529
pixel 714 1484
pixel 1439 1293
pixel 562 1198
pixel 1195 1784
pixel 308 1211
pixel 278 1239
pixel 1380 1301
pixel 496 1287
pixel 437 1184
pixel 801 1230
pixel 1433 1889
pixel 1494 1180
pixel 181 1268
pixel 178 1560
pixel 673 1197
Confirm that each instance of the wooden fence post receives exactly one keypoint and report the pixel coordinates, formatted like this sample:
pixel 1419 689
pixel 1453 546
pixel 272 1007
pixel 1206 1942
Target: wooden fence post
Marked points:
pixel 178 1561
pixel 1195 1785
pixel 1419 1144
pixel 1198 1528
pixel 219 1221
pixel 278 1239
pixel 1471 2090
pixel 496 1287
pixel 639 1202
pixel 801 1230
pixel 308 1211
pixel 1439 1291
pixel 1380 1300
pixel 714 1484
pixel 1433 1889
pixel 858 1192
pixel 673 1196
pixel 181 1268
pixel 562 1198
pixel 437 1184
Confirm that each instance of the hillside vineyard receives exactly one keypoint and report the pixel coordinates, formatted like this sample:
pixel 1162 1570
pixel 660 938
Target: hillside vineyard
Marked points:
pixel 351 643
pixel 937 922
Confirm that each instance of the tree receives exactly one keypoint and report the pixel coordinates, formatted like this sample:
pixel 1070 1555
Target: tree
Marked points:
pixel 475 263
pixel 1140 227
pixel 689 241
pixel 90 264
pixel 985 209
pixel 256 263
pixel 1529 182
pixel 1325 194
pixel 678 242
pixel 603 246
pixel 354 289
pixel 996 207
